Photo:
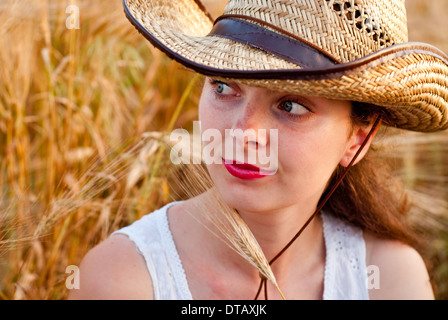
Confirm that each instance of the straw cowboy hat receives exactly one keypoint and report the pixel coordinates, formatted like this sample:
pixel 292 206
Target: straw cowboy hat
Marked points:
pixel 354 50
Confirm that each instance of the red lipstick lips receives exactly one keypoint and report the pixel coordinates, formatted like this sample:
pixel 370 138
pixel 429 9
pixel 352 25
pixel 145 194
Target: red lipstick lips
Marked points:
pixel 245 171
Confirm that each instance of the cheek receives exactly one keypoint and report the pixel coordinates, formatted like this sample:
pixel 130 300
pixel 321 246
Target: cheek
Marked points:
pixel 209 115
pixel 213 126
pixel 202 111
pixel 311 158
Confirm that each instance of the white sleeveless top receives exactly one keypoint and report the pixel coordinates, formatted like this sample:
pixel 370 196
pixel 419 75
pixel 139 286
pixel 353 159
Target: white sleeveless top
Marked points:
pixel 345 266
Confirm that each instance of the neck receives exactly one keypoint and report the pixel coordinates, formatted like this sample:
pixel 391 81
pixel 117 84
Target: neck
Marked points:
pixel 273 230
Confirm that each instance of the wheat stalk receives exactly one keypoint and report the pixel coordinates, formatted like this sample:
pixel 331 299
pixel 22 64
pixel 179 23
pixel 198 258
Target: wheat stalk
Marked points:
pixel 232 229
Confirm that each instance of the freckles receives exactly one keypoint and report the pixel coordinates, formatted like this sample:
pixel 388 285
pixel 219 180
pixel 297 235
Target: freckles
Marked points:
pixel 212 116
pixel 206 112
pixel 293 142
pixel 292 156
pixel 307 154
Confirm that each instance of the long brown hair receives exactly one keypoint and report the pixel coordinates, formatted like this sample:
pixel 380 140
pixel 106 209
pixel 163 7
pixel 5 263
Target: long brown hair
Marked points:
pixel 370 196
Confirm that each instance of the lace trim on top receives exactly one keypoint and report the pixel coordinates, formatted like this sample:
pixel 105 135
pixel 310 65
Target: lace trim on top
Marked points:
pixel 345 275
pixel 178 271
pixel 345 265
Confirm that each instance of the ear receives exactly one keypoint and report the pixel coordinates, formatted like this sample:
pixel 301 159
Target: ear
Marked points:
pixel 359 135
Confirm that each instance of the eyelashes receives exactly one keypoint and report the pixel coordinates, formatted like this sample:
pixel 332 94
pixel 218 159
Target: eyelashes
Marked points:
pixel 294 108
pixel 222 89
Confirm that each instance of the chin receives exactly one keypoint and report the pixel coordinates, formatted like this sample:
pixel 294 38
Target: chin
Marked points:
pixel 245 199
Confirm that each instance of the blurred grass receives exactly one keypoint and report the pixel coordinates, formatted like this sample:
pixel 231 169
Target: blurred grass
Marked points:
pixel 76 107
pixel 83 114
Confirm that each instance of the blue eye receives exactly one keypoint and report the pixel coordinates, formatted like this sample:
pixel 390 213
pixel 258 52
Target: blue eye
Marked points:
pixel 223 88
pixel 220 87
pixel 294 108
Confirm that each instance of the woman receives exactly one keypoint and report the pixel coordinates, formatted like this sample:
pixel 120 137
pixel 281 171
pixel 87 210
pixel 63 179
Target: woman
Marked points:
pixel 322 75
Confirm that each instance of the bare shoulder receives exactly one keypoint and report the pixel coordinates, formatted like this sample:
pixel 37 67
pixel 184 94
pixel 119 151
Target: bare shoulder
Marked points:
pixel 402 273
pixel 113 270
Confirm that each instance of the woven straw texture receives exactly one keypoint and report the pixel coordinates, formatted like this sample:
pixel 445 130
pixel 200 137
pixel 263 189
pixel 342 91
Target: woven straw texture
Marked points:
pixel 413 88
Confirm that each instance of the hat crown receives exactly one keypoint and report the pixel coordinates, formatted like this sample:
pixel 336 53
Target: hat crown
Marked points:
pixel 346 29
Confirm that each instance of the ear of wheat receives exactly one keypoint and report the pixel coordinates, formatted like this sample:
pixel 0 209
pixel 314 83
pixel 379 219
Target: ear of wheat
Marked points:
pixel 231 227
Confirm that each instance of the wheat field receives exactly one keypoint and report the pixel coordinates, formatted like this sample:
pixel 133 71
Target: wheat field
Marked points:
pixel 84 119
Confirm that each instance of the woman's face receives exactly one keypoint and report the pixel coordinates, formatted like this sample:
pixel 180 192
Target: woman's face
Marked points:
pixel 306 136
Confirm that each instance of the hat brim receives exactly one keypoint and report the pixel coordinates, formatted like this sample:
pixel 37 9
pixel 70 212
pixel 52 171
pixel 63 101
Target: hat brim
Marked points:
pixel 409 80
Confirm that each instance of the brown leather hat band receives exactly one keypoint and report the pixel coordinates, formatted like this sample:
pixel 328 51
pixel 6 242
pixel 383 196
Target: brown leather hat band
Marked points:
pixel 256 36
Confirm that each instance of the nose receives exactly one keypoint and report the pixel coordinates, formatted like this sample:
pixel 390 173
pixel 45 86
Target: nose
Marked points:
pixel 251 120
